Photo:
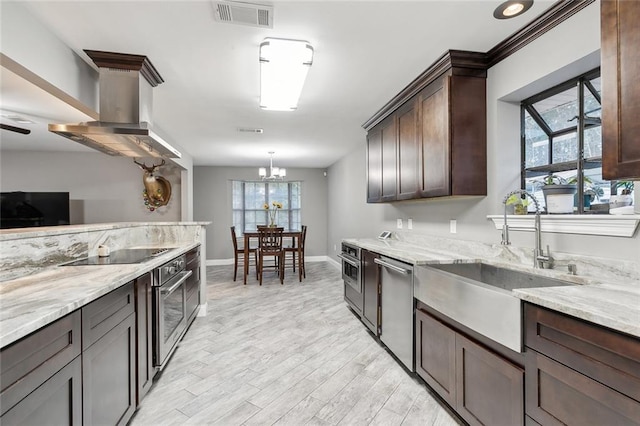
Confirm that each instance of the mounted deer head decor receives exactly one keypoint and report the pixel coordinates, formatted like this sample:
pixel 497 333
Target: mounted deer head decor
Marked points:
pixel 157 190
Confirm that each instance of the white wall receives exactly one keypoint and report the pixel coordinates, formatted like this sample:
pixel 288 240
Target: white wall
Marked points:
pixel 212 202
pixel 101 188
pixel 565 51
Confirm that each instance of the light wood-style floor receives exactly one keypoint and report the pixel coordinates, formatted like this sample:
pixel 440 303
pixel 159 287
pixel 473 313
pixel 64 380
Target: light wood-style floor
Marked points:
pixel 286 355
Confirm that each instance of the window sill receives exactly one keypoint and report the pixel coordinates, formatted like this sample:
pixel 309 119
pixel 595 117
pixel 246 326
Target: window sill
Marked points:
pixel 606 224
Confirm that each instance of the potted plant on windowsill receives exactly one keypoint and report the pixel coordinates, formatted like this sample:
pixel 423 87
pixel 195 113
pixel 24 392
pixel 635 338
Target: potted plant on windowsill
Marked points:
pixel 519 204
pixel 590 192
pixel 558 194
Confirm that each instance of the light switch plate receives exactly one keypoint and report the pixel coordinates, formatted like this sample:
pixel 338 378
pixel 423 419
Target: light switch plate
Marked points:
pixel 409 223
pixel 399 223
pixel 453 226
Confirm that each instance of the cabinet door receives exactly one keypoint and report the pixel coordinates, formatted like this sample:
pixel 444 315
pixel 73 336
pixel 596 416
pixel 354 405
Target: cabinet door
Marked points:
pixel 620 57
pixel 389 130
pixel 408 152
pixel 436 356
pixel 58 401
pixel 144 344
pixel 108 377
pixel 489 390
pixel 371 292
pixel 435 139
pixel 374 165
pixel 559 395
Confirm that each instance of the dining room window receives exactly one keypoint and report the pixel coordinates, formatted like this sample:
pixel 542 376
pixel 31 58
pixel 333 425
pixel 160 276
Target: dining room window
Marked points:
pixel 249 198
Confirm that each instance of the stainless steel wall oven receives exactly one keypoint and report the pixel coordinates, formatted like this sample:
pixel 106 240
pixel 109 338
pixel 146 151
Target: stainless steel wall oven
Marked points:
pixel 169 308
pixel 351 275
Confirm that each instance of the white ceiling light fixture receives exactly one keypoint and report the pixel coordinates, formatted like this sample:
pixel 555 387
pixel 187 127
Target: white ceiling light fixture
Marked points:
pixel 275 173
pixel 283 69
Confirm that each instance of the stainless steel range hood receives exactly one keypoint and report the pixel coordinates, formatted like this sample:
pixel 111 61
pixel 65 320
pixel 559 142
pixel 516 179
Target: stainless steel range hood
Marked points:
pixel 126 97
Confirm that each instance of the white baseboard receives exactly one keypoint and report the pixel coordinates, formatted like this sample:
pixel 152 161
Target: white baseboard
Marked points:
pixel 219 262
pixel 334 263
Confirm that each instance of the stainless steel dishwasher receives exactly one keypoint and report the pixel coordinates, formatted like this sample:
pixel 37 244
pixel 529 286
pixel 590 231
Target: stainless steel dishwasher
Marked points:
pixel 396 305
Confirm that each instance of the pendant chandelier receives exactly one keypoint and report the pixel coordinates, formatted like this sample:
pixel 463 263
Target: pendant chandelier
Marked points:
pixel 275 173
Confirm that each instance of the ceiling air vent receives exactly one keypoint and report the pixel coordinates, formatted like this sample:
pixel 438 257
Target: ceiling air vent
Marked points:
pixel 255 15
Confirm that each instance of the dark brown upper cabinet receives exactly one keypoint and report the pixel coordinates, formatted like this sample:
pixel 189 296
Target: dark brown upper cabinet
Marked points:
pixel 430 139
pixel 620 62
pixel 381 162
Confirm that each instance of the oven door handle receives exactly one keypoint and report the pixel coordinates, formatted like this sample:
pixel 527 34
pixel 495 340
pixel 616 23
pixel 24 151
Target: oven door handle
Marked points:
pixel 184 276
pixel 348 260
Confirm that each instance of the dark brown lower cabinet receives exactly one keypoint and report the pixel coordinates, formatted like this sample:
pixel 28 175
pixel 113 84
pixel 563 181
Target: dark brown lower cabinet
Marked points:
pixel 58 401
pixel 483 387
pixel 109 363
pixel 145 370
pixel 370 292
pixel 436 355
pixel 578 372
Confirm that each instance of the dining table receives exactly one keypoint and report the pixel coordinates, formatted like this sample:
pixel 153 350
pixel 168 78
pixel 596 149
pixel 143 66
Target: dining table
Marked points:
pixel 295 238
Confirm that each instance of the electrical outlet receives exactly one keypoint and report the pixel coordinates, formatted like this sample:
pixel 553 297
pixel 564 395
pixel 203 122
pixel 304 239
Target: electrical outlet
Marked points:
pixel 399 223
pixel 453 226
pixel 335 247
pixel 409 223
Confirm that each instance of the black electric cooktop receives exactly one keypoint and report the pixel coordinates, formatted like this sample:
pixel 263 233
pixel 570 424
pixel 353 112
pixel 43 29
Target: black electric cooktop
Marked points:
pixel 119 257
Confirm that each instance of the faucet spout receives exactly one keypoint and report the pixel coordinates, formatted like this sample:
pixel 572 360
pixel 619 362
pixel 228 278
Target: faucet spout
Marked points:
pixel 505 225
pixel 539 257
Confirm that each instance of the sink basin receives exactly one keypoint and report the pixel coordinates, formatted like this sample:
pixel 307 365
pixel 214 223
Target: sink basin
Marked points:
pixel 495 276
pixel 479 296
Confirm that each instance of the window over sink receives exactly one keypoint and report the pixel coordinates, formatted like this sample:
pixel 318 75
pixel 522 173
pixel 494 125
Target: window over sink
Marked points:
pixel 562 136
pixel 250 197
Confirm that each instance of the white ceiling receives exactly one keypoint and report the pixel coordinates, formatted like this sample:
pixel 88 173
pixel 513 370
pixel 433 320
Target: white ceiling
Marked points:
pixel 365 53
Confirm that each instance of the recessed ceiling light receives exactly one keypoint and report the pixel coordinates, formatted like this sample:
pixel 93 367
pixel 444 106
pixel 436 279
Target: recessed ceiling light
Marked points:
pixel 512 8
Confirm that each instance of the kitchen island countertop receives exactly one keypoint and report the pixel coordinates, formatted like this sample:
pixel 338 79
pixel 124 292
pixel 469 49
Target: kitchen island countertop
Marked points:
pixel 31 302
pixel 614 304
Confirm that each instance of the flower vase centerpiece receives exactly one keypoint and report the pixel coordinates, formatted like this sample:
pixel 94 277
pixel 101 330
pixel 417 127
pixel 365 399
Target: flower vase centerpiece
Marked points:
pixel 272 212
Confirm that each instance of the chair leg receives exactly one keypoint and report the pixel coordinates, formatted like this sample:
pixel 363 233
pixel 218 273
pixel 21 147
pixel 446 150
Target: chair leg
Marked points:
pixel 255 255
pixel 282 265
pixel 235 266
pixel 260 268
pixel 294 260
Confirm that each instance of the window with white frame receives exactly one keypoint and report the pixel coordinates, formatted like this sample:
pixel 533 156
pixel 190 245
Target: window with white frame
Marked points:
pixel 249 198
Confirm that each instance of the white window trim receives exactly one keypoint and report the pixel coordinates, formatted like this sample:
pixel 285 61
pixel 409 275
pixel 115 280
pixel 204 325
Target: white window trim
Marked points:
pixel 608 225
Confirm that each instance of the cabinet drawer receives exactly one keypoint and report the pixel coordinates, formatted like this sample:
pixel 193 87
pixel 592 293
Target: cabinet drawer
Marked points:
pixel 28 363
pixel 104 314
pixel 607 356
pixel 58 401
pixel 556 394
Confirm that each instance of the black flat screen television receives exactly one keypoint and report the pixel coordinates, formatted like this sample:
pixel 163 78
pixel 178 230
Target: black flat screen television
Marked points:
pixel 27 209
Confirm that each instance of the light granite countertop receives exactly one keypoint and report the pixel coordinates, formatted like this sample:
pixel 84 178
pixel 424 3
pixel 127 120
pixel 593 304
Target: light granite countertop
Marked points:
pixel 612 304
pixel 48 231
pixel 31 302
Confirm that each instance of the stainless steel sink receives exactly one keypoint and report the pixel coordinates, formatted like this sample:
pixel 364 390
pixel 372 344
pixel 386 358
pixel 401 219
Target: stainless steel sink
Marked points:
pixel 479 296
pixel 507 279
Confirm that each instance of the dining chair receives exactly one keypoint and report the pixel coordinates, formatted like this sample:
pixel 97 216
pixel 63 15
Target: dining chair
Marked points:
pixel 293 250
pixel 238 254
pixel 270 245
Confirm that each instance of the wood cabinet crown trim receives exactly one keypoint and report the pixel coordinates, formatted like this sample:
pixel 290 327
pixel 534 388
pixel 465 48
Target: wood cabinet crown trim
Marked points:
pixel 459 61
pixel 479 61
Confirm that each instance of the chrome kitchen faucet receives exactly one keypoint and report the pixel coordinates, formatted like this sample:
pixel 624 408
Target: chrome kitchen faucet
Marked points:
pixel 539 258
